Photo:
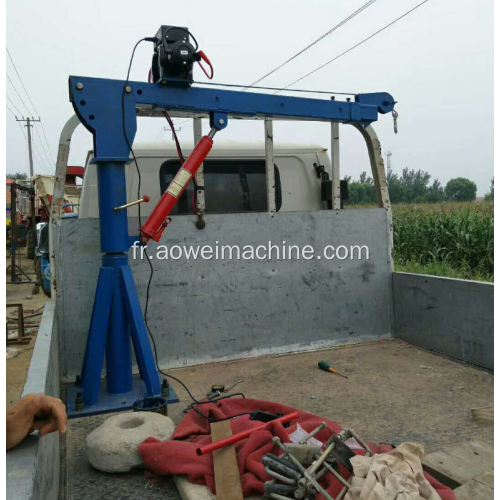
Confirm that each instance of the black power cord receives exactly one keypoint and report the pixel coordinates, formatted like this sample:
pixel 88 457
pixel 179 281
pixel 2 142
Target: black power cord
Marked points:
pixel 195 401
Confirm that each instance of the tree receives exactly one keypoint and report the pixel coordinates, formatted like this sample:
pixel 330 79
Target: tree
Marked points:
pixel 415 184
pixel 362 194
pixel 364 179
pixel 396 189
pixel 460 189
pixel 435 193
pixel 18 176
pixel 490 195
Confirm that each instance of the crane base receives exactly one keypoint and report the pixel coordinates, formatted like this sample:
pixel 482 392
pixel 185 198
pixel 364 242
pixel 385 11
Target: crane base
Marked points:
pixel 110 403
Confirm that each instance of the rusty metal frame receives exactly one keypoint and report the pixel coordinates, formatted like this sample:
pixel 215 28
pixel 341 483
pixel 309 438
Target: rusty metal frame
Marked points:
pixel 58 194
pixel 20 323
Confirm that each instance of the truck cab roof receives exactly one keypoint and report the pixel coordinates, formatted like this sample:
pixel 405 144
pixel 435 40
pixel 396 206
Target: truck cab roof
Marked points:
pixel 227 147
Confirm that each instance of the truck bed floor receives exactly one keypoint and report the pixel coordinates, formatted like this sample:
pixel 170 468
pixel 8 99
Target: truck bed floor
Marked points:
pixel 395 393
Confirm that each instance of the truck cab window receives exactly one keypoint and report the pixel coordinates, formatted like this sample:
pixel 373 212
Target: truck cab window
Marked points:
pixel 231 186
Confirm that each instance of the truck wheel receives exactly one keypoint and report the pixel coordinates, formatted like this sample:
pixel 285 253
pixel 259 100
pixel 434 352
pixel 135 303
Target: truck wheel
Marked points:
pixel 44 283
pixel 30 245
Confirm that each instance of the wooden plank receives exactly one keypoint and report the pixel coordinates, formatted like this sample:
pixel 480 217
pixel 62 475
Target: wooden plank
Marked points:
pixel 474 490
pixel 477 451
pixel 450 470
pixel 455 465
pixel 227 475
pixel 487 478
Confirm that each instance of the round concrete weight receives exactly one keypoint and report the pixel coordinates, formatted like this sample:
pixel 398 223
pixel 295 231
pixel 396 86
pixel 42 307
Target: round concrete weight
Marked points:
pixel 114 446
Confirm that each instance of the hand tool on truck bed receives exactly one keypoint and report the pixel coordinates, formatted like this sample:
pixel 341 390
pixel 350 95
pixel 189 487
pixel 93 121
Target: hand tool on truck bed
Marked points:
pixel 325 366
pixel 209 448
pixel 288 469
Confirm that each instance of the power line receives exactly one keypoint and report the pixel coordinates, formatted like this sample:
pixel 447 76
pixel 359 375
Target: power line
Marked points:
pixel 329 32
pixel 41 144
pixel 15 107
pixel 20 79
pixel 13 114
pixel 15 90
pixel 36 154
pixel 42 163
pixel 237 85
pixel 32 103
pixel 27 160
pixel 47 142
pixel 353 47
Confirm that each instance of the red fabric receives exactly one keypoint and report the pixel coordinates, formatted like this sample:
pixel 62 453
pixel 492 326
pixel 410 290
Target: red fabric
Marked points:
pixel 178 455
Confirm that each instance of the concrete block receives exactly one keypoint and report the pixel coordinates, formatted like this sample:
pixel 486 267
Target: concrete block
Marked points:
pixel 114 446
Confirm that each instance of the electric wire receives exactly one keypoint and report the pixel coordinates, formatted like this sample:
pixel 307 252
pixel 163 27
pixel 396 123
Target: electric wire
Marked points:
pixel 39 156
pixel 21 80
pixel 186 388
pixel 42 145
pixel 34 151
pixel 13 114
pixel 26 150
pixel 352 48
pixel 238 85
pixel 18 95
pixel 15 107
pixel 329 32
pixel 24 104
pixel 32 103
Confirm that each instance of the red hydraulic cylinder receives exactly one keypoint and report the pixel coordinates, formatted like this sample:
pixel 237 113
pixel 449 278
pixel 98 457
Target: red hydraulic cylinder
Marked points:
pixel 221 443
pixel 156 222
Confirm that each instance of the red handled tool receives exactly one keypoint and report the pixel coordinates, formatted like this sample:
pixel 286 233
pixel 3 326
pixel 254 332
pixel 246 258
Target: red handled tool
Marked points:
pixel 221 443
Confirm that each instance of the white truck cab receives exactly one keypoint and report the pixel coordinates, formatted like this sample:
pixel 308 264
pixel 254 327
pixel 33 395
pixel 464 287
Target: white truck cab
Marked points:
pixel 235 177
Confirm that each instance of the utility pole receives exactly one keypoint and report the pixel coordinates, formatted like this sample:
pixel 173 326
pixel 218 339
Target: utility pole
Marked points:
pixel 28 125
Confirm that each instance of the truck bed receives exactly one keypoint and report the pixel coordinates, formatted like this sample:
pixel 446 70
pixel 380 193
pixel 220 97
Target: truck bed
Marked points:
pixel 395 392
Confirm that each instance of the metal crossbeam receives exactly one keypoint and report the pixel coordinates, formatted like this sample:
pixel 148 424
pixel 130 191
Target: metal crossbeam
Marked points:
pixel 98 104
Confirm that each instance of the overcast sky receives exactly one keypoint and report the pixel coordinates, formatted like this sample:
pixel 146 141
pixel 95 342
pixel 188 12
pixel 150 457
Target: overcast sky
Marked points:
pixel 437 63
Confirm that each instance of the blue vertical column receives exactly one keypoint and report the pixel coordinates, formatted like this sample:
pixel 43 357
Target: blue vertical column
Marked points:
pixel 118 341
pixel 116 317
pixel 112 190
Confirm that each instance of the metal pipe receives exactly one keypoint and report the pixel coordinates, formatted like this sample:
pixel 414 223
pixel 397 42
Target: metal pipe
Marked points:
pixel 316 465
pixel 280 477
pixel 307 475
pixel 58 194
pixel 344 490
pixel 327 466
pixel 313 433
pixel 144 199
pixel 221 443
pixel 360 441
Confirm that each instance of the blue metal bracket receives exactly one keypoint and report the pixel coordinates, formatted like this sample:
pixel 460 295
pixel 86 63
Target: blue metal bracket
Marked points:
pixel 98 104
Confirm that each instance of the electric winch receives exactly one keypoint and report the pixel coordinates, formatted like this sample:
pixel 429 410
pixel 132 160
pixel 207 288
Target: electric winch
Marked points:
pixel 175 55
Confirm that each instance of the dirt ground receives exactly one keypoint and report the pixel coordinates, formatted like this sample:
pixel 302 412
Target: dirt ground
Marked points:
pixel 17 367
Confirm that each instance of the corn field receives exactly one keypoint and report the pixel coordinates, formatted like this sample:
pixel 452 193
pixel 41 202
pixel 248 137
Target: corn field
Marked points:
pixel 458 236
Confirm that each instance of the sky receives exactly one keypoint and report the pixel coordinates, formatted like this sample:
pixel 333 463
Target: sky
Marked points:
pixel 437 63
